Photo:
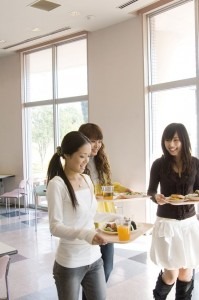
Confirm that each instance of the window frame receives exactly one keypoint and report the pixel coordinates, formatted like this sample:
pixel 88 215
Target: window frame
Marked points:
pixel 54 102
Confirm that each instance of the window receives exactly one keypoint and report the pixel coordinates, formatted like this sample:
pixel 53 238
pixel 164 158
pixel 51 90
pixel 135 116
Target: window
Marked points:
pixel 55 100
pixel 173 77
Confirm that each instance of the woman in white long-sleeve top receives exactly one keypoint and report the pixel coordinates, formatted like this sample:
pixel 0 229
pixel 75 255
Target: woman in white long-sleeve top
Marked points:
pixel 72 207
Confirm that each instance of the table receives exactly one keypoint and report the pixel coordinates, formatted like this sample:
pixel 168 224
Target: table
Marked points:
pixel 2 177
pixel 7 250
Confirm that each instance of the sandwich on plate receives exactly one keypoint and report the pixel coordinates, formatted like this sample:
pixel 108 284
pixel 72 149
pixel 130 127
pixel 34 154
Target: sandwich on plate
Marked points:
pixel 176 197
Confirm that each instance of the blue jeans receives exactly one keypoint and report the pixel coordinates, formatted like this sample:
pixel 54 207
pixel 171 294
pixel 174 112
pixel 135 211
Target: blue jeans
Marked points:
pixel 107 257
pixel 69 280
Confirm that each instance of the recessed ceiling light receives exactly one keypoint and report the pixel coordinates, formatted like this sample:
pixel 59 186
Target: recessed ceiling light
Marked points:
pixel 75 13
pixel 36 29
pixel 2 41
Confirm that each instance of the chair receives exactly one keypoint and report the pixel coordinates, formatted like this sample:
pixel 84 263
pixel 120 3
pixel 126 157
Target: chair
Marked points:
pixel 16 194
pixel 39 191
pixel 4 268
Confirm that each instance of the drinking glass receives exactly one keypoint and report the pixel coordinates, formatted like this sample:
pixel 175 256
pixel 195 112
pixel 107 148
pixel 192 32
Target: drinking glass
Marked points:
pixel 107 192
pixel 123 229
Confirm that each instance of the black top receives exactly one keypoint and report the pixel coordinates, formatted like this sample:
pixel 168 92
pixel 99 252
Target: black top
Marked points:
pixel 171 183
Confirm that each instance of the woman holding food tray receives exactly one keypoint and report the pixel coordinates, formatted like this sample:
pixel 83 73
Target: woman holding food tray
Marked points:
pixel 72 209
pixel 175 238
pixel 99 170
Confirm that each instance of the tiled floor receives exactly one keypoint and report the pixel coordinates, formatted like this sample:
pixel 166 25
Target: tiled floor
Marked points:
pixel 30 274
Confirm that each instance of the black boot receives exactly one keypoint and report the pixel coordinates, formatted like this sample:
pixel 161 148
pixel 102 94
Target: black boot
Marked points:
pixel 184 289
pixel 161 289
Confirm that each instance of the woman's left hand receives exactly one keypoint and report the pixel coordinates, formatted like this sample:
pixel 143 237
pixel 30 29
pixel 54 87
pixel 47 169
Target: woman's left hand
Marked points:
pixel 160 199
pixel 98 240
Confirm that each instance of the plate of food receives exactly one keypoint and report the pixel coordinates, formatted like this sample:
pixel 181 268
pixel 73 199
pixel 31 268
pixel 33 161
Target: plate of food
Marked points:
pixel 176 198
pixel 111 227
pixel 129 195
pixel 192 197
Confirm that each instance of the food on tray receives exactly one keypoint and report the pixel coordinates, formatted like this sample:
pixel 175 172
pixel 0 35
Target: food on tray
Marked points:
pixel 192 197
pixel 129 195
pixel 176 197
pixel 111 227
pixel 133 225
pixel 134 193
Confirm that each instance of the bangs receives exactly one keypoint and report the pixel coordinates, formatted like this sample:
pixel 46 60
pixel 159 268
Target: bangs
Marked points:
pixel 92 131
pixel 170 131
pixel 95 135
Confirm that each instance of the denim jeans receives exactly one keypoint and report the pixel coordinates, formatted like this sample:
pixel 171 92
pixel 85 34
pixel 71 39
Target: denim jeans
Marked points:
pixel 69 280
pixel 107 257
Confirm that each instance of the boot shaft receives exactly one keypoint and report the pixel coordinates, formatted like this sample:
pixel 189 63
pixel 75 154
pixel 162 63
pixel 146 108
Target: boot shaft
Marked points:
pixel 161 289
pixel 184 289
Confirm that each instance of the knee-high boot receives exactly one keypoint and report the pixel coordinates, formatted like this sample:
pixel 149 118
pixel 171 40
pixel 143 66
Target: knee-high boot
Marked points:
pixel 161 289
pixel 184 289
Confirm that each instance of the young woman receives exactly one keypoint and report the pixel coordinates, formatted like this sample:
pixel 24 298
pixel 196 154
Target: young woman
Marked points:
pixel 98 168
pixel 175 239
pixel 72 206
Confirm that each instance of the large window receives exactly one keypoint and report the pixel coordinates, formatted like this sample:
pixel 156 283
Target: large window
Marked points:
pixel 55 100
pixel 173 72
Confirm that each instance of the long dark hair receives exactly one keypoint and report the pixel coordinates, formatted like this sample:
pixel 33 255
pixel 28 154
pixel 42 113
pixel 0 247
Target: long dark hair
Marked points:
pixel 168 134
pixel 71 142
pixel 94 132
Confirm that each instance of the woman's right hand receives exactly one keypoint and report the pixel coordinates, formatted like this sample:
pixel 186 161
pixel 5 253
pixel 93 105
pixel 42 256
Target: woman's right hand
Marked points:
pixel 98 240
pixel 160 199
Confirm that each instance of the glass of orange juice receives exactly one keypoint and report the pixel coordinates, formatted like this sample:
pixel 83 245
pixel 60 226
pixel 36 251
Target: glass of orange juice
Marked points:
pixel 123 229
pixel 107 192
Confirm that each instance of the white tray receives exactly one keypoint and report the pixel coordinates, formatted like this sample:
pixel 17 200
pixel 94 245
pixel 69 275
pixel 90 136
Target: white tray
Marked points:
pixel 142 229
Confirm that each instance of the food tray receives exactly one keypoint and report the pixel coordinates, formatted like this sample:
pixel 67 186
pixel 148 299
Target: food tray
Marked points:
pixel 142 229
pixel 185 201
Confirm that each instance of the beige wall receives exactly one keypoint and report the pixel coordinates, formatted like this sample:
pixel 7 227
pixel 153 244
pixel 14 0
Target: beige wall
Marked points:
pixel 11 156
pixel 116 103
pixel 116 98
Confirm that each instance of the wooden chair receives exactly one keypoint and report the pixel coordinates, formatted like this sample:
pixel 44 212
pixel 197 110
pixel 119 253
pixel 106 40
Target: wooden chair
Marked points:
pixel 4 268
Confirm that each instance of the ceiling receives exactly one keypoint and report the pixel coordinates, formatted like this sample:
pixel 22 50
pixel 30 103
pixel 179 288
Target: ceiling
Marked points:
pixel 22 25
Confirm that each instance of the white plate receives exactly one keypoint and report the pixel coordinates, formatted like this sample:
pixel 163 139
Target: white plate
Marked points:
pixel 102 228
pixel 129 196
pixel 109 232
pixel 192 197
pixel 139 226
pixel 169 200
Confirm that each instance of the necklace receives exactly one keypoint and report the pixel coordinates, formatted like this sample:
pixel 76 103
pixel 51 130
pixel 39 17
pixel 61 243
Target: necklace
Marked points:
pixel 76 182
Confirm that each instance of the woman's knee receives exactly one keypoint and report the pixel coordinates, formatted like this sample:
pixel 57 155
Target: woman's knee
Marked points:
pixel 170 276
pixel 185 274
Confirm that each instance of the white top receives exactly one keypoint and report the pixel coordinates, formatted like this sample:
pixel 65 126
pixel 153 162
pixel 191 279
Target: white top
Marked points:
pixel 74 227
